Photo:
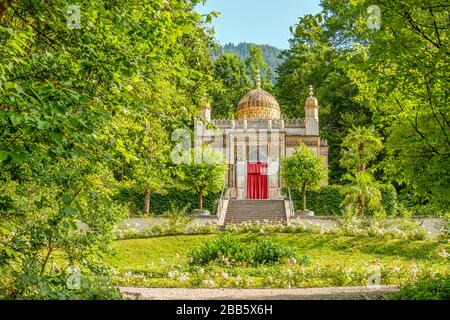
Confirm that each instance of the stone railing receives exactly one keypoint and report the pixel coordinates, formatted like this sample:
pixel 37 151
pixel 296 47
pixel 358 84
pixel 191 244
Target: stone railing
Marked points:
pixel 294 123
pixel 259 124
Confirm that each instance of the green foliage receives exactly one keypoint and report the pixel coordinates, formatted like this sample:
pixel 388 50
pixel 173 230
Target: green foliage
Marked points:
pixel 325 201
pixel 83 111
pixel 405 86
pixel 314 59
pixel 256 64
pixel 226 246
pixel 361 192
pixel 360 147
pixel 234 80
pixel 303 170
pixel 268 252
pixel 389 199
pixel 229 248
pixel 204 172
pixel 270 54
pixel 174 200
pixel 234 83
pixel 428 287
pixel 350 259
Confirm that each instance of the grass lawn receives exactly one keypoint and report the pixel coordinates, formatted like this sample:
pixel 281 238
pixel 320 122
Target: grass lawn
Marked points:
pixel 334 261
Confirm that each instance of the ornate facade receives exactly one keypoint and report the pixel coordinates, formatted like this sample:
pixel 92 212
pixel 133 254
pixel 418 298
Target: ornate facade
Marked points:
pixel 258 138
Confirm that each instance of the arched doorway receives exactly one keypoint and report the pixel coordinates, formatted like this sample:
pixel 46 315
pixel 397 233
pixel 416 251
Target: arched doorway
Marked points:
pixel 257 184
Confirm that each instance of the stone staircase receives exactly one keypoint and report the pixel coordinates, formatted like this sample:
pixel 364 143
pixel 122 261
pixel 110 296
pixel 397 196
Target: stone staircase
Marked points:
pixel 239 211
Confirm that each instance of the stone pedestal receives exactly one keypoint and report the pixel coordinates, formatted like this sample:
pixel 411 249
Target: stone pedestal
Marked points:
pixel 306 213
pixel 201 213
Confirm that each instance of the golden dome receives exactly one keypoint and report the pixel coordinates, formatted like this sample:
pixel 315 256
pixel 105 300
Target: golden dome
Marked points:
pixel 258 104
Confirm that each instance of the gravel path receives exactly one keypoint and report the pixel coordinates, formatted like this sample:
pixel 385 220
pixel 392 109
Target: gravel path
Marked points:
pixel 332 293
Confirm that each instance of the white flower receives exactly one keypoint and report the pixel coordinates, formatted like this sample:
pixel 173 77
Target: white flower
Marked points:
pixel 415 269
pixel 184 277
pixel 224 275
pixel 444 254
pixel 208 283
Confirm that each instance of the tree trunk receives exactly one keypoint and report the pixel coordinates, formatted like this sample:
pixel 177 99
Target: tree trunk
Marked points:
pixel 200 199
pixel 147 201
pixel 304 197
pixel 361 204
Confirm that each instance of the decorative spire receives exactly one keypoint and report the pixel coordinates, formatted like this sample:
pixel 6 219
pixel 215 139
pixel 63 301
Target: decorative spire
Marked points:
pixel 311 91
pixel 258 80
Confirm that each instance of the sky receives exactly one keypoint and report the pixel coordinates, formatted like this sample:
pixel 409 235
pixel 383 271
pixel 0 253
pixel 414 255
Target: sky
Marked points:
pixel 257 21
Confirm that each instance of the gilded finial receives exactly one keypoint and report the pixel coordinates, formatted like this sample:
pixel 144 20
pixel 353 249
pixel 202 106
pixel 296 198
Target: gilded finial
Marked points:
pixel 311 91
pixel 258 80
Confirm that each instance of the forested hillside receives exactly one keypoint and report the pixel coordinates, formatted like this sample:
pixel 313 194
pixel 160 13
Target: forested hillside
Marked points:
pixel 270 54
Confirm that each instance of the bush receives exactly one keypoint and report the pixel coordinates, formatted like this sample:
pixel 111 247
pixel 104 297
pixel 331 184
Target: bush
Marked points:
pixel 229 249
pixel 327 201
pixel 268 252
pixel 389 199
pixel 226 246
pixel 427 288
pixel 163 204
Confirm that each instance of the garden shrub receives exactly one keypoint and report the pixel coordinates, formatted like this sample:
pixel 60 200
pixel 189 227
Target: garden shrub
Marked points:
pixel 226 246
pixel 268 252
pixel 327 201
pixel 388 200
pixel 426 288
pixel 175 199
pixel 229 249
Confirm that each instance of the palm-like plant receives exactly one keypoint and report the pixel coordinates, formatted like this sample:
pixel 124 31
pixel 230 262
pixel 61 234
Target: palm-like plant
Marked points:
pixel 363 190
pixel 359 147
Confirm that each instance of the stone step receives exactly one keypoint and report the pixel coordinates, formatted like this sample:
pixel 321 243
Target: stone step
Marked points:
pixel 240 211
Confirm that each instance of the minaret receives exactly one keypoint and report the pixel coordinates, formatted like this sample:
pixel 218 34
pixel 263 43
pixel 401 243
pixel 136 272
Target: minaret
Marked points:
pixel 312 114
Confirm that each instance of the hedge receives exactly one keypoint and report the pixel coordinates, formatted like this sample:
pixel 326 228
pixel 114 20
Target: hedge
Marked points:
pixel 174 201
pixel 327 201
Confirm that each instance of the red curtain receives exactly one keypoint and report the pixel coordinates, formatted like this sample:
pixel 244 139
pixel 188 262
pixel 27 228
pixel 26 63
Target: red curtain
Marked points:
pixel 257 181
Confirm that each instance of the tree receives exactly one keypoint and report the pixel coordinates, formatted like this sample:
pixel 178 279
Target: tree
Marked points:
pixel 314 58
pixel 204 172
pixel 256 64
pixel 76 105
pixel 361 191
pixel 402 72
pixel 303 171
pixel 233 84
pixel 270 53
pixel 359 147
